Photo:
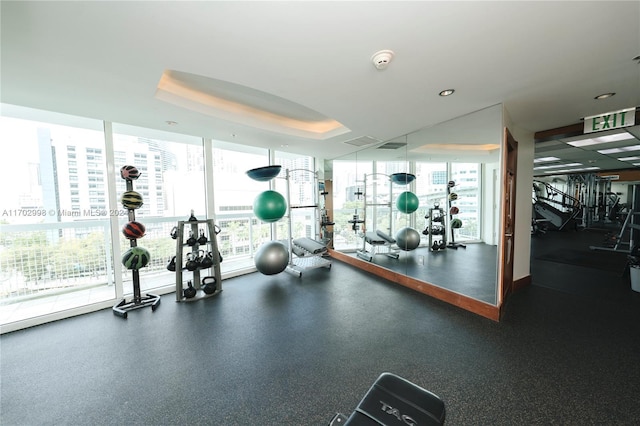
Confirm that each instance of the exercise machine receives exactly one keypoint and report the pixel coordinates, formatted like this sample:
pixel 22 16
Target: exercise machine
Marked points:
pixel 374 241
pixel 309 253
pixel 393 400
pixel 377 240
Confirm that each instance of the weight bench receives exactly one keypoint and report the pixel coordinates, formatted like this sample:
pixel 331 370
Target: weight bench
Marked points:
pixel 375 240
pixel 394 401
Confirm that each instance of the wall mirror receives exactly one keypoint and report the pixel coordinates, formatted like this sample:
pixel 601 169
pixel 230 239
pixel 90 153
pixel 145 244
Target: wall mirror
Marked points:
pixel 426 204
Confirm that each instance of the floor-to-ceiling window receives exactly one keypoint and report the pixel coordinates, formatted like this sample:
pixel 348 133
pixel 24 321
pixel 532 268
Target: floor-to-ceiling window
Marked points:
pixel 241 233
pixel 55 244
pixel 171 184
pixel 298 183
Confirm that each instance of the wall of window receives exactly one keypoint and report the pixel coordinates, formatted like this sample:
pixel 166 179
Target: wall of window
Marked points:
pixel 61 216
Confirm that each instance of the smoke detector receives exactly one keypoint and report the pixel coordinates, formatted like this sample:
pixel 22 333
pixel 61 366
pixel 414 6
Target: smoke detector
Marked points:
pixel 381 59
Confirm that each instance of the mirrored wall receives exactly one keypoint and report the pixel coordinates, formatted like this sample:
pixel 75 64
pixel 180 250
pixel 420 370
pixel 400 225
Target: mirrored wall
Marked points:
pixel 426 205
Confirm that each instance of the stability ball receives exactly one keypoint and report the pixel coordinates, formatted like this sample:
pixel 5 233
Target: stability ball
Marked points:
pixel 407 202
pixel 272 258
pixel 407 239
pixel 269 206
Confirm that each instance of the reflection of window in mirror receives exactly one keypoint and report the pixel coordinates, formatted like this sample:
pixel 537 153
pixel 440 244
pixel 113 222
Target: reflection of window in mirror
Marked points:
pixel 431 188
pixel 467 178
pixel 347 184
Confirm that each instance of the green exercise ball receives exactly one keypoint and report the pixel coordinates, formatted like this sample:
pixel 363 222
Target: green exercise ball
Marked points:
pixel 269 206
pixel 407 202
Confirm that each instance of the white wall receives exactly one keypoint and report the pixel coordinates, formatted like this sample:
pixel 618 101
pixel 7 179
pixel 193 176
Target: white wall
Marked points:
pixel 522 237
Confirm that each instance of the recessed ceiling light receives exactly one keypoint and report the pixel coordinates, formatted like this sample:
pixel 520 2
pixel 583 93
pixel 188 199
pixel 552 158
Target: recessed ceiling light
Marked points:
pixel 634 158
pixel 605 95
pixel 620 150
pixel 557 166
pixel 602 139
pixel 545 159
pixel 447 92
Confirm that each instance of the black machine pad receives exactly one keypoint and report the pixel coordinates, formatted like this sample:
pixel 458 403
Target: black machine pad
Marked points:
pixel 394 401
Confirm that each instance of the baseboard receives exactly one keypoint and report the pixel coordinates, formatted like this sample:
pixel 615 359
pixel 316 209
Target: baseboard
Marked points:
pixel 521 283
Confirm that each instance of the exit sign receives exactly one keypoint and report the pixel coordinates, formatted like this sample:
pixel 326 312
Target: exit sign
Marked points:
pixel 610 120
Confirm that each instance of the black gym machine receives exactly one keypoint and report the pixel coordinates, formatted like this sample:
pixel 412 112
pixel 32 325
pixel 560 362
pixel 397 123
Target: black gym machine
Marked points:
pixel 393 400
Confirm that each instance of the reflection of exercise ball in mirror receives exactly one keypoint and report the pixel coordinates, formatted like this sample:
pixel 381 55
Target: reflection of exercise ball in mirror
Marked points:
pixel 271 258
pixel 407 202
pixel 269 206
pixel 407 239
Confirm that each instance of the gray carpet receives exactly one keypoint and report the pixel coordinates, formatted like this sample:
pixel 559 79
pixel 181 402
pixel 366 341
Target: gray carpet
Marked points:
pixel 281 350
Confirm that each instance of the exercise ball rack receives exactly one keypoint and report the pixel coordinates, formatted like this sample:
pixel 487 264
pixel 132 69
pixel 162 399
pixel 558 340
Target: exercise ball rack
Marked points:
pixel 138 301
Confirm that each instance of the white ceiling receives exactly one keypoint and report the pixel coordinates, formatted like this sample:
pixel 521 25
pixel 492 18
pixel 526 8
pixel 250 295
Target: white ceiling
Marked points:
pixel 545 61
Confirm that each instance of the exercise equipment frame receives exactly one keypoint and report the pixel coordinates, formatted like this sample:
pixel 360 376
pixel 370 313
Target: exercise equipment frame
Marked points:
pixel 304 258
pixel 212 240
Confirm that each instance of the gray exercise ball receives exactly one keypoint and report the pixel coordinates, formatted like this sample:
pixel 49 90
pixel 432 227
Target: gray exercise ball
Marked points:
pixel 272 258
pixel 407 239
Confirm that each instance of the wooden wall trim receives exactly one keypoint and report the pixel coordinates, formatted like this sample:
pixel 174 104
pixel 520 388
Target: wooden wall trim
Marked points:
pixel 623 175
pixel 468 304
pixel 521 283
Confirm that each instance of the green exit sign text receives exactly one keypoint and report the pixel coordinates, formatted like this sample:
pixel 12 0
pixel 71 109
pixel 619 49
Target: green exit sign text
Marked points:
pixel 610 120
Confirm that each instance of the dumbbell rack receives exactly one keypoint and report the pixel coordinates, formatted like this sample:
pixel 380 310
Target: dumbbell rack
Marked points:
pixel 193 226
pixel 138 300
pixel 436 217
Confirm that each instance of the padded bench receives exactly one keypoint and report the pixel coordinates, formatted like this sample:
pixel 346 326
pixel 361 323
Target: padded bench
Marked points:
pixel 376 239
pixel 394 401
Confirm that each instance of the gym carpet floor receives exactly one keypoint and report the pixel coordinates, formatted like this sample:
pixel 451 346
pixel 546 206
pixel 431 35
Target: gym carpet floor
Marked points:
pixel 282 350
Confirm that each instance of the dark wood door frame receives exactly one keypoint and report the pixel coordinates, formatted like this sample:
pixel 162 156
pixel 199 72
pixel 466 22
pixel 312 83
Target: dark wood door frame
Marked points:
pixel 510 174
